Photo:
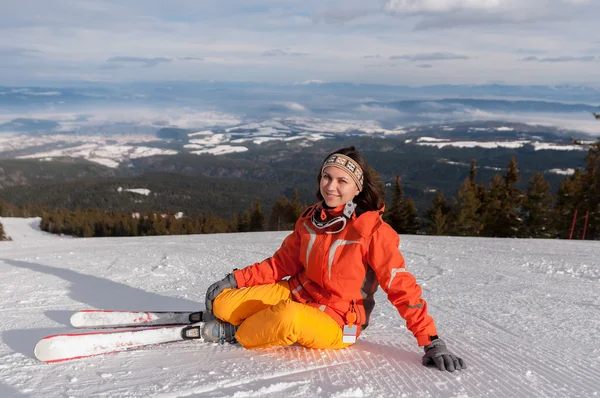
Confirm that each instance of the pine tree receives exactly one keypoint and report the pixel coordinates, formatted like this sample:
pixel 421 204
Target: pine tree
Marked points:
pixel 538 211
pixel 279 219
pixel 438 216
pixel 473 171
pixel 285 213
pixel 257 218
pixel 468 214
pixel 243 220
pixel 394 216
pixel 410 217
pixel 160 225
pixel 503 204
pixel 2 233
pixel 215 225
pixel 233 224
pixel 591 191
pixel 568 200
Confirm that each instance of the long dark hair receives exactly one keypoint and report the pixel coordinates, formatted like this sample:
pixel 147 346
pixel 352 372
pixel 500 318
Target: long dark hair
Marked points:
pixel 371 196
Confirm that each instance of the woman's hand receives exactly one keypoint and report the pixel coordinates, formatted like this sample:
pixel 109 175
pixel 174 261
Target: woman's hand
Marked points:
pixel 216 288
pixel 436 354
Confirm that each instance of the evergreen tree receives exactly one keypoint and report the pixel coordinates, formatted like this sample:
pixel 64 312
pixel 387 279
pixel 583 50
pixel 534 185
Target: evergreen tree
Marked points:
pixel 473 172
pixel 438 216
pixel 285 213
pixel 410 217
pixel 257 218
pixel 468 218
pixel 2 233
pixel 187 226
pixel 215 225
pixel 568 200
pixel 394 216
pixel 503 204
pixel 278 220
pixel 402 215
pixel 538 211
pixel 591 192
pixel 160 225
pixel 232 226
pixel 243 222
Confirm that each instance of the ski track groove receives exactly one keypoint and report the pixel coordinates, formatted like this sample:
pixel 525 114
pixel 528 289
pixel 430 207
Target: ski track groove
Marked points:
pixel 366 367
pixel 542 360
pixel 247 380
pixel 553 379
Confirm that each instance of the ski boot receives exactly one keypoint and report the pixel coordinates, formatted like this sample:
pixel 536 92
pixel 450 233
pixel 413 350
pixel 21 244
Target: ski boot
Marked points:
pixel 213 331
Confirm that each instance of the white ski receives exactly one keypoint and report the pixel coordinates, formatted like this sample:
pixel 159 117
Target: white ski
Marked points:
pixel 64 347
pixel 117 318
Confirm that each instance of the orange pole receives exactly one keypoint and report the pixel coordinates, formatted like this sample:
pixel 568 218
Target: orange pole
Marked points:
pixel 587 213
pixel 573 225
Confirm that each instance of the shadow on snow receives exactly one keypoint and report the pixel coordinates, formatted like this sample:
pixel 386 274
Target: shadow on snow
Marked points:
pixel 94 292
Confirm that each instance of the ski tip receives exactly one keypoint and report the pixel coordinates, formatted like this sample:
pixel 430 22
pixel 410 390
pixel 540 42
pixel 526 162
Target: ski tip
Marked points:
pixel 41 351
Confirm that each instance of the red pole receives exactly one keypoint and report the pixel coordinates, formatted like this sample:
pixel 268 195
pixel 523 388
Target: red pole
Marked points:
pixel 587 213
pixel 573 225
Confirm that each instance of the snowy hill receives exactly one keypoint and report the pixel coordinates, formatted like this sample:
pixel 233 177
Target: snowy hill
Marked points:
pixel 523 313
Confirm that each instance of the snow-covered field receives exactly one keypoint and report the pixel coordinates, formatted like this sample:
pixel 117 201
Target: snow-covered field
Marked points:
pixel 525 314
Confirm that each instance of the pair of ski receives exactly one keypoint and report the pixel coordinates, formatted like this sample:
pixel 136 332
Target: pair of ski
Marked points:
pixel 135 329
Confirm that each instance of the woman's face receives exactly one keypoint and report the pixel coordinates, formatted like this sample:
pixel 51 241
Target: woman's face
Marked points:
pixel 337 187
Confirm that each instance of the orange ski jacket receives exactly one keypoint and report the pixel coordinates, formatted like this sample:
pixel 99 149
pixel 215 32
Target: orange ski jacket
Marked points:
pixel 340 272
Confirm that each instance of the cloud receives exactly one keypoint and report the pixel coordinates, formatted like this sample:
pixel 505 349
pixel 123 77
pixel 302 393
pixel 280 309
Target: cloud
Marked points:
pixel 191 58
pixel 586 58
pixel 281 53
pixel 451 13
pixel 436 6
pixel 424 66
pixel 259 40
pixel 314 81
pixel 349 11
pixel 294 106
pixel 111 66
pixel 17 52
pixel 437 56
pixel 146 62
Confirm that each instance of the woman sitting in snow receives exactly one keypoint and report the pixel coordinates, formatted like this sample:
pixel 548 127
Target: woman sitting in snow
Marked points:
pixel 338 254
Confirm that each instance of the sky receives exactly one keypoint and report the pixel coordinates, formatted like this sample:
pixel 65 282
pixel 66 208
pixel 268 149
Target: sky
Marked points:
pixel 523 314
pixel 415 42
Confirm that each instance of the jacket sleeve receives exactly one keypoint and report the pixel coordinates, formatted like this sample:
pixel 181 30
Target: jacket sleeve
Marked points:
pixel 285 262
pixel 400 286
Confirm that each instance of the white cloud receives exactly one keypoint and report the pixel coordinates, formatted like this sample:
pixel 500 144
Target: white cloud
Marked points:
pixel 438 56
pixel 586 58
pixel 281 52
pixel 424 6
pixel 294 106
pixel 147 62
pixel 314 81
pixel 241 40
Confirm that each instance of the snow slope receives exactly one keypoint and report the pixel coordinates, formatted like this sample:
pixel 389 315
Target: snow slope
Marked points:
pixel 525 314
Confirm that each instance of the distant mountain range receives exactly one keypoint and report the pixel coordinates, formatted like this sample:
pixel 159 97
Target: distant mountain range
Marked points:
pixel 178 170
pixel 215 147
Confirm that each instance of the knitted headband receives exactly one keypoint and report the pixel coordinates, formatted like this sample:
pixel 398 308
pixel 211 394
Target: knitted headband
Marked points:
pixel 345 163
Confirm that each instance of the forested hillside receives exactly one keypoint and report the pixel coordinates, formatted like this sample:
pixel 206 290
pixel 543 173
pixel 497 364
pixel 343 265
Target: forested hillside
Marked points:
pixel 227 184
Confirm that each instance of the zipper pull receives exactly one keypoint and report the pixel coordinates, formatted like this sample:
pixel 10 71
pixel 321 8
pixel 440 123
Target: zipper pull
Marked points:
pixel 351 316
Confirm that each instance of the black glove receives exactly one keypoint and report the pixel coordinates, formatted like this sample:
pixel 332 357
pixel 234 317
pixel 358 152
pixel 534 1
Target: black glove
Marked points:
pixel 213 290
pixel 436 354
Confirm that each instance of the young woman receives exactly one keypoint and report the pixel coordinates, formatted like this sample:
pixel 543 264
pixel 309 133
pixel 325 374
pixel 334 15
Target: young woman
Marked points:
pixel 317 289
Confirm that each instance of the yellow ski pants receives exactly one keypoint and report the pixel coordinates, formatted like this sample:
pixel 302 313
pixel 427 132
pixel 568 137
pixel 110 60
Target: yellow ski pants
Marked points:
pixel 267 317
